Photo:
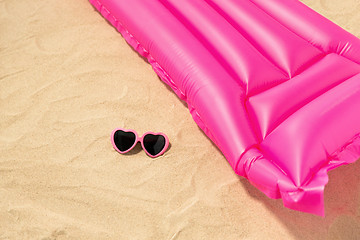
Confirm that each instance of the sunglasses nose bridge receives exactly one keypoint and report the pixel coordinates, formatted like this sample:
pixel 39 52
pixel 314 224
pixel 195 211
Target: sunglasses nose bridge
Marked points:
pixel 141 140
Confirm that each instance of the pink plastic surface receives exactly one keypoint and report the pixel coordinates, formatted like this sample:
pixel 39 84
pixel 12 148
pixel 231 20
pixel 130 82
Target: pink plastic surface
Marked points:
pixel 275 85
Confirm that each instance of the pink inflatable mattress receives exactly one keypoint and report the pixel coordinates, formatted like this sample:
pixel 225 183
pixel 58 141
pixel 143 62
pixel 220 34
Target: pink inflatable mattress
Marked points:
pixel 274 85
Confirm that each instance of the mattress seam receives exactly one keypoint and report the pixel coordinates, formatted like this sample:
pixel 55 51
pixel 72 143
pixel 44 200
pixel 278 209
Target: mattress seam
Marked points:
pixel 318 47
pixel 227 67
pixel 334 158
pixel 266 12
pixel 246 37
pixel 305 103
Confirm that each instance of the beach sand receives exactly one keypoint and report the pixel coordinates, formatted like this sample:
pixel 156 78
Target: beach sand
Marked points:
pixel 67 78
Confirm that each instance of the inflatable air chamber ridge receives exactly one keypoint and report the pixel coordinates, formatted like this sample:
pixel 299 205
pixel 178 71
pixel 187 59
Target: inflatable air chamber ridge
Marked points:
pixel 272 83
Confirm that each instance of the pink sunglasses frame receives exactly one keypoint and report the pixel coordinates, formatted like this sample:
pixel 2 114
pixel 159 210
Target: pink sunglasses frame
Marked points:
pixel 140 139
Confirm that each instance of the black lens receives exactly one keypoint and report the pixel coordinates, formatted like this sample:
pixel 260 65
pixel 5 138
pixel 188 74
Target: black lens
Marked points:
pixel 154 144
pixel 124 140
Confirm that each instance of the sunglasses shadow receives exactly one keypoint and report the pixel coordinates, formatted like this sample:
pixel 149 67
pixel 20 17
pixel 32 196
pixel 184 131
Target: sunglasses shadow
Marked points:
pixel 168 148
pixel 138 148
pixel 135 150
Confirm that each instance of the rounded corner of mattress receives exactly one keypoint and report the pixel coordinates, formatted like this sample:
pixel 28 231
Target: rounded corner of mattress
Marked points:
pixel 275 183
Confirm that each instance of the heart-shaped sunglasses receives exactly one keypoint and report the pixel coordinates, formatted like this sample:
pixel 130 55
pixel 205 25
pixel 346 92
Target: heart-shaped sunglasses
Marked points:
pixel 154 144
